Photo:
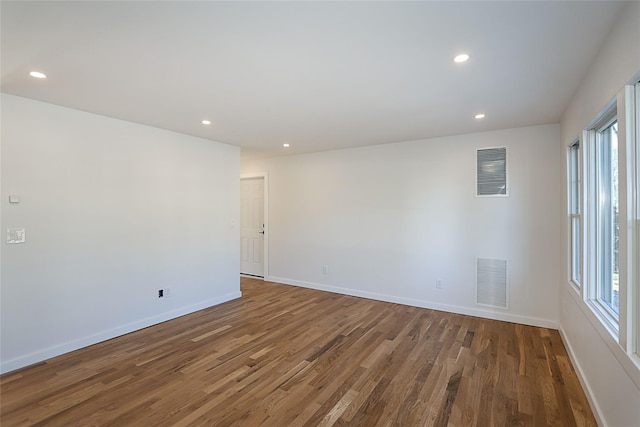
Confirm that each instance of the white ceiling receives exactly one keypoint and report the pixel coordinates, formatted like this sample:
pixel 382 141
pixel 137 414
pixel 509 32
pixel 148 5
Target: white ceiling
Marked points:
pixel 317 75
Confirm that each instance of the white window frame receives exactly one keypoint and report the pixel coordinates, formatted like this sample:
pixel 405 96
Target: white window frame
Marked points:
pixel 575 199
pixel 633 291
pixel 594 254
pixel 605 220
pixel 629 251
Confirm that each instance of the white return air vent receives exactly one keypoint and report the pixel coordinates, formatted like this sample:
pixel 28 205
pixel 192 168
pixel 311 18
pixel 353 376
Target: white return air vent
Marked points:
pixel 491 282
pixel 491 172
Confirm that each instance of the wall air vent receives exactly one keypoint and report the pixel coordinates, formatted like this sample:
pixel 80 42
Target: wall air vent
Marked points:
pixel 491 282
pixel 491 172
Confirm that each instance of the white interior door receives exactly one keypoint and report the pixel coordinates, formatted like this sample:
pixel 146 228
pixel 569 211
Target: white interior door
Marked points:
pixel 252 227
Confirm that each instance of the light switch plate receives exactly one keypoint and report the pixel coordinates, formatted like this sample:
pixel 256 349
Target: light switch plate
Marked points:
pixel 14 198
pixel 16 235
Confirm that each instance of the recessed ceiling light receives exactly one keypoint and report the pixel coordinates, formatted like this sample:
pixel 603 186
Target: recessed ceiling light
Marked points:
pixel 38 75
pixel 286 145
pixel 479 116
pixel 463 57
pixel 206 122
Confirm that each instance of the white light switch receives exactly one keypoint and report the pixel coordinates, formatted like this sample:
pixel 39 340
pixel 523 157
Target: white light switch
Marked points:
pixel 14 199
pixel 15 235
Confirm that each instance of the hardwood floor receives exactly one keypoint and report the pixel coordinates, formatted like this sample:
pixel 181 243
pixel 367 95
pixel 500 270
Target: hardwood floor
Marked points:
pixel 287 356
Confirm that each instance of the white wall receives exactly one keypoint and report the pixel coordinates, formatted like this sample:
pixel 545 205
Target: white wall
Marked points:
pixel 113 212
pixel 390 219
pixel 606 372
pixel 616 62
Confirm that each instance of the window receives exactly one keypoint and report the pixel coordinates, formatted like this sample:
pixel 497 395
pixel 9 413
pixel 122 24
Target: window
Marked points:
pixel 607 230
pixel 575 217
pixel 604 223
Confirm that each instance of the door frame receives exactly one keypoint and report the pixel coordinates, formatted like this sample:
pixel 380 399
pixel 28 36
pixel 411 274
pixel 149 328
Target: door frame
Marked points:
pixel 265 241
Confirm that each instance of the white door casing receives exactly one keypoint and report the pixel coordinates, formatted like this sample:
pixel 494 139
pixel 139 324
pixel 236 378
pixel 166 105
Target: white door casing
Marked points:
pixel 252 226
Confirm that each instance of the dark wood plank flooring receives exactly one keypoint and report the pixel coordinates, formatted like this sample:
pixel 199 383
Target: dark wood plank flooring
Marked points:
pixel 287 356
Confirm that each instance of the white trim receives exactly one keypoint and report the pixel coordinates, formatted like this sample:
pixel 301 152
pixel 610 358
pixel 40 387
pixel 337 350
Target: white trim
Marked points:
pixel 486 314
pixel 634 318
pixel 57 350
pixel 265 242
pixel 588 269
pixel 577 142
pixel 605 115
pixel 626 152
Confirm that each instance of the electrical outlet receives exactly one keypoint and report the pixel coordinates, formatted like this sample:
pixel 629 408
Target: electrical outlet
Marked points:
pixel 439 283
pixel 325 269
pixel 15 235
pixel 160 293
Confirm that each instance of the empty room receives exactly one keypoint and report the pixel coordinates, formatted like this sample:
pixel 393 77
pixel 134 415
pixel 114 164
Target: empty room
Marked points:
pixel 302 213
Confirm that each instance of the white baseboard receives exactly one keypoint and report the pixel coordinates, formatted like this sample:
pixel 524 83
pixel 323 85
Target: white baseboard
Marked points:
pixel 47 353
pixel 595 408
pixel 469 311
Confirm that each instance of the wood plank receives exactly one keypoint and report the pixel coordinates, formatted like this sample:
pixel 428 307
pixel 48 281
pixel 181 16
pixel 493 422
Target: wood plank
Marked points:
pixel 288 356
